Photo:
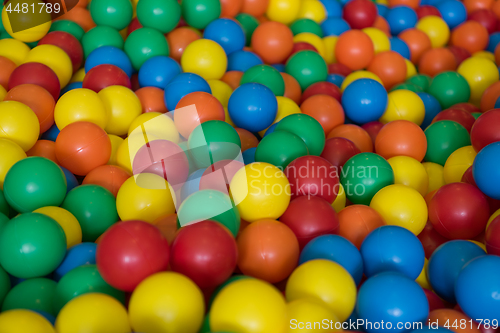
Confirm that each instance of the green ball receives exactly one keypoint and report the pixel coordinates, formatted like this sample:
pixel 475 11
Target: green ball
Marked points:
pixel 249 24
pixel 4 284
pixel 113 13
pixel 162 15
pixel 145 43
pixel 280 148
pixel 307 67
pixel 32 294
pixel 476 114
pixel 306 25
pixel 205 327
pixel 363 175
pixel 209 205
pixel 82 280
pixel 449 88
pixel 307 128
pixel 213 141
pixel 199 13
pixel 94 207
pixel 407 86
pixel 3 222
pixel 32 245
pixel 69 27
pixel 101 36
pixel 266 75
pixel 34 182
pixel 4 206
pixel 421 80
pixel 443 138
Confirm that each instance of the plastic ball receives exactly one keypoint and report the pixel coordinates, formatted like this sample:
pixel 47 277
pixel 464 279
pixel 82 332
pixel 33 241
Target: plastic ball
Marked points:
pixel 443 138
pixel 152 99
pixel 418 42
pixel 116 13
pixel 485 174
pixel 19 124
pixel 325 109
pixel 14 50
pixel 450 88
pixel 390 67
pixel 68 26
pixel 480 73
pixel 436 61
pixel 80 105
pixel 111 177
pixel 313 10
pixel 409 172
pixel 109 55
pixel 356 134
pixel 289 146
pixel 199 13
pixel 68 43
pixel 78 255
pixel 272 41
pixel 436 28
pixel 20 320
pixel 205 58
pixel 307 128
pixel 453 12
pixel 364 100
pixel 267 76
pixel 322 88
pixel 181 85
pixel 404 105
pixel 432 108
pixel 101 36
pixel 457 163
pixel 489 98
pixel 359 13
pixel 38 74
pixel 55 58
pixel 33 294
pixel 22 31
pixel 307 67
pixel 179 38
pixel 464 118
pixel 356 75
pixel 105 75
pixel 400 46
pixel 471 36
pixel 401 138
pixel 227 33
pixel 143 44
pixel 401 18
pixel 357 221
pixel 242 61
pixel 354 49
pixel 158 72
pixel 283 11
pixel 485 130
pixel 338 150
pixel 122 107
pixel 160 15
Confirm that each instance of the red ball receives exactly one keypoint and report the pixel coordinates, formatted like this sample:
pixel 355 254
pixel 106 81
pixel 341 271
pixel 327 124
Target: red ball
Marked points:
pixel 486 18
pixel 435 303
pixel 427 10
pixel 313 176
pixel 68 43
pixel 460 116
pixel 310 217
pixel 459 211
pixel 493 237
pixel 430 239
pixel 324 88
pixel 338 150
pixel 460 53
pixel 300 46
pixel 372 128
pixel 130 251
pixel 36 73
pixel 205 252
pixel 468 178
pixel 218 176
pixel 339 68
pixel 134 25
pixel 471 108
pixel 486 129
pixel 360 14
pixel 103 76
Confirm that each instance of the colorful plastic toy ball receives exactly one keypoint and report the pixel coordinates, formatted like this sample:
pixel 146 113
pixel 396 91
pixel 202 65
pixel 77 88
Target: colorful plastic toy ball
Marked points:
pixel 307 281
pixel 205 58
pixel 68 43
pixel 181 85
pixel 272 41
pixel 55 58
pixel 338 150
pixel 359 14
pixel 105 75
pixel 242 61
pixel 475 286
pixel 404 105
pixel 32 34
pixel 199 13
pixel 307 128
pixel 400 46
pixel 450 88
pixel 410 172
pixel 354 49
pixel 114 13
pixel 436 28
pixel 78 255
pixel 152 99
pixel 401 18
pixel 80 105
pixel 20 320
pixel 156 305
pixel 325 109
pixel 390 67
pixel 471 35
pixel 158 72
pixel 122 107
pixel 393 298
pixel 109 55
pixel 179 38
pixel 253 107
pixel 161 15
pixel 283 11
pixel 443 138
pixel 32 245
pixel 307 67
pixel 485 172
pixel 480 73
pixel 453 12
pixel 227 33
pixel 19 124
pixel 99 36
pixel 33 294
pixel 35 73
pixel 288 145
pixel 364 100
pixel 143 44
pixel 401 138
pixel 266 75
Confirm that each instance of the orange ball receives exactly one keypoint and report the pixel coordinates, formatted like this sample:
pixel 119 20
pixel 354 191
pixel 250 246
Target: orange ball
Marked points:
pixel 292 88
pixel 357 221
pixel 361 139
pixel 268 250
pixel 82 3
pixel 44 148
pixel 152 99
pixel 111 177
pixel 81 16
pixel 382 25
pixel 473 5
pixel 446 316
pixel 435 61
pixel 178 39
pixel 490 96
pixel 207 108
pixel 354 49
pixel 418 42
pixel 272 41
pixel 7 66
pixel 496 9
pixel 390 67
pixel 254 7
pixel 230 8
pixel 471 36
pixel 168 226
pixel 38 99
pixel 325 109
pixel 409 3
pixel 232 78
pixel 248 140
pixel 82 146
pixel 401 138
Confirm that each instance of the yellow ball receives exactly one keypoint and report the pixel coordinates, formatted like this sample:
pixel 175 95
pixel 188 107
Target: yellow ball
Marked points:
pixel 249 306
pixel 283 11
pixel 480 73
pixel 122 107
pixel 260 191
pixel 24 321
pixel 123 154
pixel 457 163
pixel 286 107
pixel 380 40
pixel 330 43
pixel 358 75
pixel 435 172
pixel 436 28
pixel 220 90
pixel 80 104
pixel 422 278
pixel 484 54
pixel 3 92
pixel 32 34
pixel 67 221
pixel 313 39
pixel 93 312
pixel 10 153
pixel 404 105
pixel 327 282
pixel 410 172
pixel 146 198
pixel 166 302
pixel 339 203
pixel 411 70
pixel 116 142
pixel 492 217
pixel 312 9
pixel 55 58
pixel 306 315
pixel 14 50
pixel 402 206
pixel 154 125
pixel 78 76
pixel 19 124
pixel 205 58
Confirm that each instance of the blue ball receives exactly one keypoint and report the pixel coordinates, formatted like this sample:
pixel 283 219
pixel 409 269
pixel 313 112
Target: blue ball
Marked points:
pixel 446 263
pixel 392 249
pixel 158 72
pixel 192 184
pixel 497 103
pixel 227 33
pixel 364 100
pixel 181 85
pixel 242 60
pixel 336 79
pixel 51 134
pixel 271 129
pixel 279 67
pixel 249 155
pixel 432 108
pixel 398 45
pixel 71 86
pixel 71 180
pixel 76 256
pixel 493 42
pixel 109 55
pixel 334 26
pixel 252 106
pixel 335 248
pixel 453 12
pixel 382 9
pixel 478 289
pixel 401 18
pixel 333 8
pixel 393 299
pixel 486 172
